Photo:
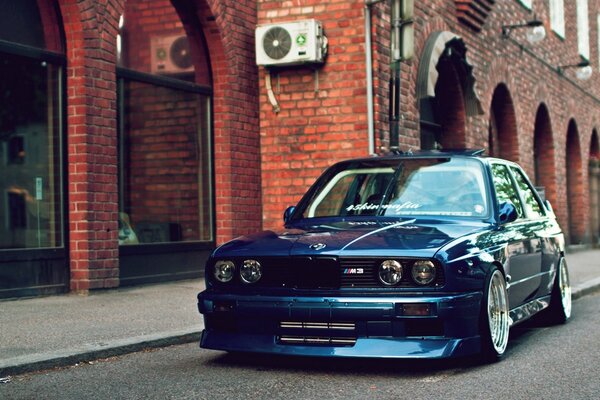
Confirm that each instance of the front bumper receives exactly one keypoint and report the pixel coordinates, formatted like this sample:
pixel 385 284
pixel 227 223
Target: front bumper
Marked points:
pixel 407 326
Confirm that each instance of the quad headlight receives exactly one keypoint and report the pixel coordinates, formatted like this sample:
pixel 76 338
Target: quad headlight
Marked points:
pixel 423 272
pixel 224 271
pixel 390 272
pixel 250 271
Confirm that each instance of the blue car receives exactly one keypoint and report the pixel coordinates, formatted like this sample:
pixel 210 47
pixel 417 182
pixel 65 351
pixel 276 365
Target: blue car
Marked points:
pixel 425 255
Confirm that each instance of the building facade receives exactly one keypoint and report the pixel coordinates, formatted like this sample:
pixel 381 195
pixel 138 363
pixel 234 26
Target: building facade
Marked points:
pixel 136 136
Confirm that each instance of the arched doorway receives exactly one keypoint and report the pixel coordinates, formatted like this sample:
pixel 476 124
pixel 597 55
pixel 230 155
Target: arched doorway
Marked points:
pixel 445 91
pixel 543 155
pixel 33 254
pixel 502 134
pixel 577 217
pixel 594 186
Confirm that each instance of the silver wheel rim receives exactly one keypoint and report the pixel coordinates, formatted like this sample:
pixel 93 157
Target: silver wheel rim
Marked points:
pixel 497 310
pixel 565 288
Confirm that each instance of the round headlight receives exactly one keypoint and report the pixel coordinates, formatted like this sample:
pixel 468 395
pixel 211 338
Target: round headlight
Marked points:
pixel 251 271
pixel 390 272
pixel 224 271
pixel 423 272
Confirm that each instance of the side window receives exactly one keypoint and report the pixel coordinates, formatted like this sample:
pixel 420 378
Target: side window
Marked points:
pixel 534 209
pixel 505 190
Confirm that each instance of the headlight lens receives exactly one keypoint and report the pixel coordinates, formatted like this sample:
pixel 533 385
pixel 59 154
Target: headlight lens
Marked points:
pixel 251 271
pixel 423 272
pixel 224 271
pixel 390 272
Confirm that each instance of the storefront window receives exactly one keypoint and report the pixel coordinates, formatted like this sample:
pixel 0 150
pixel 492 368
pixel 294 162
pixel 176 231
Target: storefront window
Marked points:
pixel 30 125
pixel 164 129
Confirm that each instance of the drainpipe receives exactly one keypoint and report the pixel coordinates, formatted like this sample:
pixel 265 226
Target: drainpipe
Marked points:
pixel 369 63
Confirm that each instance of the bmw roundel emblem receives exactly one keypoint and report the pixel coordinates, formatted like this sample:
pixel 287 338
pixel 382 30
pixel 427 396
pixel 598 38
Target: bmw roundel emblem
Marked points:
pixel 318 246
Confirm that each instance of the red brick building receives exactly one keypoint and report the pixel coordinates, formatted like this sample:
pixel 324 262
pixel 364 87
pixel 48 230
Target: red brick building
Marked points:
pixel 136 136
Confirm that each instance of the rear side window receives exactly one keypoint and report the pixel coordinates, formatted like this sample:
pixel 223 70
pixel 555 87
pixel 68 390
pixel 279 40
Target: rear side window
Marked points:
pixel 534 208
pixel 505 190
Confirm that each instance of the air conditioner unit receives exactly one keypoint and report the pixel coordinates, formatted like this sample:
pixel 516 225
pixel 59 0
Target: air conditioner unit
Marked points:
pixel 170 55
pixel 291 43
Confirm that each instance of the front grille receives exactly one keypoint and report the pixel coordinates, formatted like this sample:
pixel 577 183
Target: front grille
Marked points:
pixel 302 273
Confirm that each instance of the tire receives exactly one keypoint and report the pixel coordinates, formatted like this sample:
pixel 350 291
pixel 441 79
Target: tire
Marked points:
pixel 495 318
pixel 559 311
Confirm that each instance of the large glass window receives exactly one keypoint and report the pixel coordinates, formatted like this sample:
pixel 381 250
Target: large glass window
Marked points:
pixel 30 153
pixel 164 129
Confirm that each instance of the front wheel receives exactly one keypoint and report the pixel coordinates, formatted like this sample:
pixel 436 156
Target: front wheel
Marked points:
pixel 560 301
pixel 495 317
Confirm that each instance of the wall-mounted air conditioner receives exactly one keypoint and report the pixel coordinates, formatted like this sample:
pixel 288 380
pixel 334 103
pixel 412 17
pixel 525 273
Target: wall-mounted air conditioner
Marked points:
pixel 290 43
pixel 170 55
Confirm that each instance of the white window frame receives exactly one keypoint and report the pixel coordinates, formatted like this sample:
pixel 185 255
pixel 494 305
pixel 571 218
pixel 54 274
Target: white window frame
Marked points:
pixel 583 29
pixel 557 17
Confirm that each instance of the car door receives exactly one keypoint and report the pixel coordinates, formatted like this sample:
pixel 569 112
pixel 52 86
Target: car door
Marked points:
pixel 523 248
pixel 541 230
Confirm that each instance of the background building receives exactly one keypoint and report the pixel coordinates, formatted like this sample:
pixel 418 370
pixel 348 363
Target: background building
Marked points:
pixel 135 136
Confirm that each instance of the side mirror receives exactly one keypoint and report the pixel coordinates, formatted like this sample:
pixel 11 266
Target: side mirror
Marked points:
pixel 288 213
pixel 508 213
pixel 549 207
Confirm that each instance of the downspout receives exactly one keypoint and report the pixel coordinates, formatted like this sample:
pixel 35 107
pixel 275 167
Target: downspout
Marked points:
pixel 369 64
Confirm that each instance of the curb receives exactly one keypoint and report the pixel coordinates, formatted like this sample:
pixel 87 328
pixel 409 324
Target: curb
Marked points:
pixel 62 358
pixel 586 288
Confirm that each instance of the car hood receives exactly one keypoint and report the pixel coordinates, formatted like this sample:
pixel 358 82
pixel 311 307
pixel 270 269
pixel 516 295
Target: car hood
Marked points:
pixel 407 237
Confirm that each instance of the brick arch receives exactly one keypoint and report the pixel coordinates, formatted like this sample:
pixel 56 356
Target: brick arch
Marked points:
pixel 575 192
pixel 445 91
pixel 235 113
pixel 503 134
pixel 544 154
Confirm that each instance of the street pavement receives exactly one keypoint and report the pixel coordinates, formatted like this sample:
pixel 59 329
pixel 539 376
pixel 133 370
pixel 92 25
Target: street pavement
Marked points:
pixel 54 331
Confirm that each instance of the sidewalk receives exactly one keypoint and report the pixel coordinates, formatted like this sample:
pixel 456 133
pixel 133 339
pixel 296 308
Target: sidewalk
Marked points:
pixel 63 330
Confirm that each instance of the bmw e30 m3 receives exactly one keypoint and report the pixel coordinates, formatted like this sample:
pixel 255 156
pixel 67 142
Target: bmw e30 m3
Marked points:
pixel 427 255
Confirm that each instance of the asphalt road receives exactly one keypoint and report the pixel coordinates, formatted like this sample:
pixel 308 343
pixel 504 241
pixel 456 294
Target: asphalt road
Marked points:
pixel 543 362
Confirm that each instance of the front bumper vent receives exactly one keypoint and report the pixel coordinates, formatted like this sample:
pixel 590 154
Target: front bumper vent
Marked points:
pixel 317 340
pixel 318 325
pixel 317 333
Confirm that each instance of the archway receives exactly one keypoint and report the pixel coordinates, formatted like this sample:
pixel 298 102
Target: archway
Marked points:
pixel 594 187
pixel 543 155
pixel 577 218
pixel 503 135
pixel 445 91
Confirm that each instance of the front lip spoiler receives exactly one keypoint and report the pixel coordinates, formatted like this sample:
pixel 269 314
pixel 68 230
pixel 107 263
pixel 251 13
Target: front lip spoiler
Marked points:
pixel 364 347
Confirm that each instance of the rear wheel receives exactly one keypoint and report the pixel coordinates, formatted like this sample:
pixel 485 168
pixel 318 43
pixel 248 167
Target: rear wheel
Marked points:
pixel 495 319
pixel 560 301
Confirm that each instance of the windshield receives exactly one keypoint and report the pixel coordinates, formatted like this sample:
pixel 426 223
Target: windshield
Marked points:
pixel 425 187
